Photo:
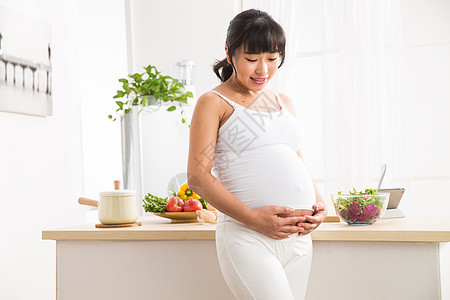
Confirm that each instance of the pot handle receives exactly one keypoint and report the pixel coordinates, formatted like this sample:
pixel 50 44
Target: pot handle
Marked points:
pixel 87 201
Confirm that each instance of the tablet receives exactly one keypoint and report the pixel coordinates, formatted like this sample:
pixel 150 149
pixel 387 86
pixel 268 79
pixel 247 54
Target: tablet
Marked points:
pixel 395 197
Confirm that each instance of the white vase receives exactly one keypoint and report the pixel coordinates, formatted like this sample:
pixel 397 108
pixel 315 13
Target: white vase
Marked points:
pixel 153 103
pixel 131 154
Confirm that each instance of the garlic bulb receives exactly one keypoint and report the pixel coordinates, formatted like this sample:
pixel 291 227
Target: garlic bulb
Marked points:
pixel 207 216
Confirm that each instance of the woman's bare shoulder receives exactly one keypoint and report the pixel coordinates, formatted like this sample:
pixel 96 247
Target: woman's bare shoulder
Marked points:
pixel 210 100
pixel 289 103
pixel 209 109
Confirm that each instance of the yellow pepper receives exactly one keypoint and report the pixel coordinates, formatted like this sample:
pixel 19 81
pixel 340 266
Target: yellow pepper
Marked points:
pixel 186 193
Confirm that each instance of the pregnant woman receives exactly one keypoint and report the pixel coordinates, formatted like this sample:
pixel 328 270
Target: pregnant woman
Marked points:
pixel 245 159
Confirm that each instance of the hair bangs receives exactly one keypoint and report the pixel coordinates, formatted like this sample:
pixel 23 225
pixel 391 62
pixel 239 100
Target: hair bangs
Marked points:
pixel 264 38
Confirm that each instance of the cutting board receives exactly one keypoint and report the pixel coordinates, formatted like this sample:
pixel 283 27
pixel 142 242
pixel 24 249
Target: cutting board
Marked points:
pixel 135 224
pixel 332 218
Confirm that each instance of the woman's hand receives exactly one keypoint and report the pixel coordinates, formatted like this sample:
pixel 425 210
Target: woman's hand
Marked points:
pixel 268 221
pixel 310 223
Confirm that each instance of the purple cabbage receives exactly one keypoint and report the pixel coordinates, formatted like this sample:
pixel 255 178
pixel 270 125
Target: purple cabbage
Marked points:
pixel 353 211
pixel 355 214
pixel 370 211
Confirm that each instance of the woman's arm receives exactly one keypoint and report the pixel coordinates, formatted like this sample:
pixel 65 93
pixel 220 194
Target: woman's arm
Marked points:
pixel 203 135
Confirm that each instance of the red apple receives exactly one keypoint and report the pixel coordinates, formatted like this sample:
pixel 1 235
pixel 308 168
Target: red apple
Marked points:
pixel 175 204
pixel 192 205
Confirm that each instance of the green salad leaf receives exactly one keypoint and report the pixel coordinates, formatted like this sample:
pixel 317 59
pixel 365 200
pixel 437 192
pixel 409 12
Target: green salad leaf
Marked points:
pixel 203 203
pixel 154 203
pixel 366 192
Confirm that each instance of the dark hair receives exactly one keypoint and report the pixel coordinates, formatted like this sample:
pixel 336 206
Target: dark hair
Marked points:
pixel 258 32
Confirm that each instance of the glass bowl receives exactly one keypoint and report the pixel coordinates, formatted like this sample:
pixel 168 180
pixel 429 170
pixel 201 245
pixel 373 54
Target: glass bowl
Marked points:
pixel 206 217
pixel 359 209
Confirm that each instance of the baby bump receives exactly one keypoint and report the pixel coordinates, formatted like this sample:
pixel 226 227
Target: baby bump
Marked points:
pixel 273 175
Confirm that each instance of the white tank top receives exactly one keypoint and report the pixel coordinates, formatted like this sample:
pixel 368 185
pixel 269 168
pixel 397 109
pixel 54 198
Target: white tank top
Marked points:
pixel 256 160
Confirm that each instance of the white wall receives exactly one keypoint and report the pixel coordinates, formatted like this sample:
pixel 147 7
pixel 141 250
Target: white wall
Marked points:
pixel 426 38
pixel 47 163
pixel 163 33
pixel 102 51
pixel 40 166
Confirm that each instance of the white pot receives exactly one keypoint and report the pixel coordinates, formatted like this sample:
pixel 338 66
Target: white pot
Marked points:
pixel 114 207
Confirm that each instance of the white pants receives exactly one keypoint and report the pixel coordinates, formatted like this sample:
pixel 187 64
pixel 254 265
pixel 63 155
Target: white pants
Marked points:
pixel 258 267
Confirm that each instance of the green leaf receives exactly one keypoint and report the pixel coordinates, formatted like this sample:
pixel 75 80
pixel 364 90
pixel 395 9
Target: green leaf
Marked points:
pixel 109 117
pixel 120 103
pixel 149 71
pixel 152 203
pixel 136 76
pixel 144 101
pixel 203 203
pixel 119 94
pixel 172 108
pixel 127 110
pixel 123 80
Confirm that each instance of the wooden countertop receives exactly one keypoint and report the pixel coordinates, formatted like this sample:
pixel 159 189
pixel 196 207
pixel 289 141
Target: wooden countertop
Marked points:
pixel 409 229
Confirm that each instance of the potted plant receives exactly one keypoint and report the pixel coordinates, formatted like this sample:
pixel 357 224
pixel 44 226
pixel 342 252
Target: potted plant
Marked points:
pixel 150 88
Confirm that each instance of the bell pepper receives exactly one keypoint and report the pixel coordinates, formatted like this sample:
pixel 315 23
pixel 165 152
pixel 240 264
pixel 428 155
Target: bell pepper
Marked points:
pixel 186 193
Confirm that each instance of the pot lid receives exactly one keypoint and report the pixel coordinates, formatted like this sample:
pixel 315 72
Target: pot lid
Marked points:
pixel 118 193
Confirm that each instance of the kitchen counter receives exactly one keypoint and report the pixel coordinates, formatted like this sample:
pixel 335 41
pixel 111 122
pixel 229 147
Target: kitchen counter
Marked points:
pixel 404 258
pixel 411 229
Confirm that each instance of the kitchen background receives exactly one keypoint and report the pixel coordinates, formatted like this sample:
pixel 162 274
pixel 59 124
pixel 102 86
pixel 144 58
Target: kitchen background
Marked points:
pixel 46 163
